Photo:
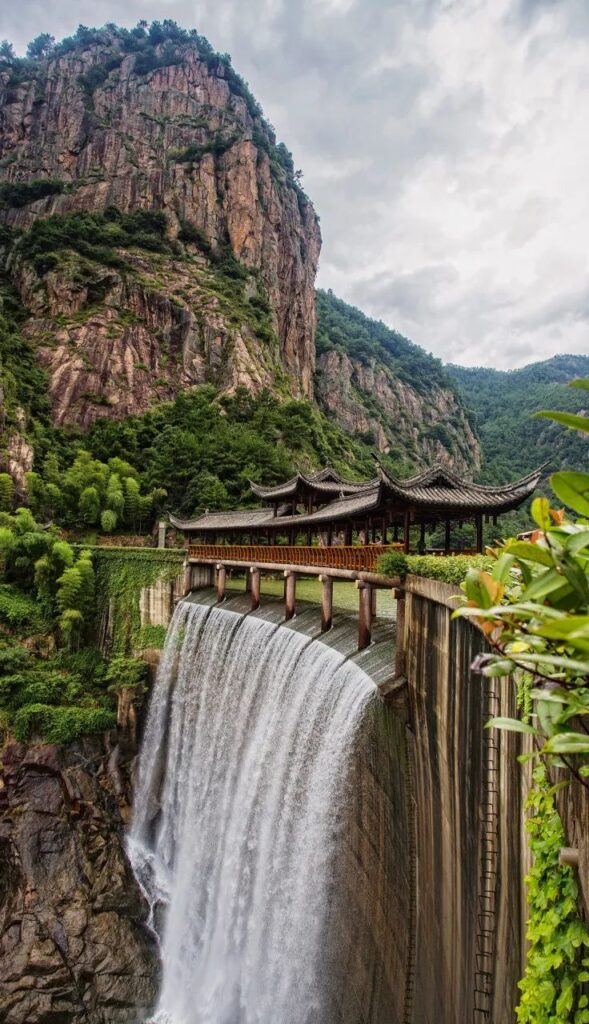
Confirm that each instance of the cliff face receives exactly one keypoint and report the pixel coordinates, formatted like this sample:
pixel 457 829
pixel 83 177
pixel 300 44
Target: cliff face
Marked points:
pixel 73 942
pixel 97 128
pixel 383 387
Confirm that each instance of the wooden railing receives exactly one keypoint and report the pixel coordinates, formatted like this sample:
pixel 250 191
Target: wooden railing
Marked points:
pixel 361 558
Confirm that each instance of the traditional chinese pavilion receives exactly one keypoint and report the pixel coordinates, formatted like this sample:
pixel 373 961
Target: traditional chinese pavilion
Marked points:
pixel 324 507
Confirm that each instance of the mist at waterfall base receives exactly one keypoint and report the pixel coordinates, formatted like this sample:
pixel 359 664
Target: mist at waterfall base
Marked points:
pixel 242 776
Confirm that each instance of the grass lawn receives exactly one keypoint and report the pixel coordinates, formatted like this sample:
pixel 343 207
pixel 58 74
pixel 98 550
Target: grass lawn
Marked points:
pixel 345 595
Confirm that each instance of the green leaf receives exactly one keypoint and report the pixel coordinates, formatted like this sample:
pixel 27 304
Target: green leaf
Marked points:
pixel 543 585
pixel 567 743
pixel 577 542
pixel 511 725
pixel 541 512
pixel 573 489
pixel 568 419
pixel 531 552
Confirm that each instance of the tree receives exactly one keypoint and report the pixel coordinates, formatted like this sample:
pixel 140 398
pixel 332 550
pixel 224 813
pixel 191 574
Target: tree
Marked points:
pixel 41 46
pixel 108 520
pixel 7 51
pixel 36 493
pixel 132 501
pixel 6 492
pixel 90 506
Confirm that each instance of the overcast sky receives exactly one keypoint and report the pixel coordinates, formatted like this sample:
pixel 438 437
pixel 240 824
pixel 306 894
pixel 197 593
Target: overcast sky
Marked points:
pixel 444 143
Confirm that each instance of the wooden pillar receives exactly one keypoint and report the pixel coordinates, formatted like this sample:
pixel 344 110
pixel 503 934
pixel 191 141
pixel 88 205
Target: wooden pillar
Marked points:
pixel 406 531
pixel 395 533
pixel 290 589
pixel 221 578
pixel 400 633
pixel 255 587
pixel 326 603
pixel 479 528
pixel 373 603
pixel 447 537
pixel 309 536
pixel 248 583
pixel 349 533
pixel 364 615
pixel 330 535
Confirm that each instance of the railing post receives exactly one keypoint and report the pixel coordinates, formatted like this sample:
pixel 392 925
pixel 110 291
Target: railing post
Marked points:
pixel 364 616
pixel 400 633
pixel 326 603
pixel 221 579
pixel 290 588
pixel 373 603
pixel 255 587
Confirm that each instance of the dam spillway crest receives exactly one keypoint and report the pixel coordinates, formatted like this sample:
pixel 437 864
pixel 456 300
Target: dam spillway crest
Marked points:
pixel 238 808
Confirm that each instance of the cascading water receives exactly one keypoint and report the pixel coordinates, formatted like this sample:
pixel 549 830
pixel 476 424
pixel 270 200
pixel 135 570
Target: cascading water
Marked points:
pixel 242 772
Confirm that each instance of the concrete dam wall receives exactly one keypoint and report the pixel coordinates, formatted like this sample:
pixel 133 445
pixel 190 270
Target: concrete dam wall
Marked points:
pixel 428 921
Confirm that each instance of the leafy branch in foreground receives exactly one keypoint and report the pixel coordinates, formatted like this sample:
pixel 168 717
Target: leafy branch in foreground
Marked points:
pixel 534 609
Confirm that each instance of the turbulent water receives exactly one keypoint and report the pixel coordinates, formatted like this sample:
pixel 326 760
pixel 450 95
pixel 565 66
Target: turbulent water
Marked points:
pixel 242 770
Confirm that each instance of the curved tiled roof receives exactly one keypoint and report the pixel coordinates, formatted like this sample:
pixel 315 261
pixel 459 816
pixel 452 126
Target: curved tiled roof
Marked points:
pixel 326 481
pixel 437 489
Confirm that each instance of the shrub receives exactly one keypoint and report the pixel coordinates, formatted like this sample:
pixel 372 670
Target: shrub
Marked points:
pixel 394 563
pixel 448 568
pixel 21 193
pixel 60 724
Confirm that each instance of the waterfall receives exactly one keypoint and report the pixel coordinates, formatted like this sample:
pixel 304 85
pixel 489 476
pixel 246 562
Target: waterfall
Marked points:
pixel 242 776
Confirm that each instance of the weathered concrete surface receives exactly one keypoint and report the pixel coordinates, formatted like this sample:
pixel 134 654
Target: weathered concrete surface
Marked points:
pixel 468 794
pixel 73 943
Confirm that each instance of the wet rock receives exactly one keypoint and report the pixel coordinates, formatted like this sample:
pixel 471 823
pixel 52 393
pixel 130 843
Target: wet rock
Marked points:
pixel 74 946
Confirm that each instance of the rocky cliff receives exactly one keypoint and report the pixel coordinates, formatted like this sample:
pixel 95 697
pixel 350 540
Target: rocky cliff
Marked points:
pixel 382 387
pixel 219 289
pixel 73 940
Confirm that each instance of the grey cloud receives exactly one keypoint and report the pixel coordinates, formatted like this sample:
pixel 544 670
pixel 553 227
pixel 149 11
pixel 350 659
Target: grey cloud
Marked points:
pixel 439 145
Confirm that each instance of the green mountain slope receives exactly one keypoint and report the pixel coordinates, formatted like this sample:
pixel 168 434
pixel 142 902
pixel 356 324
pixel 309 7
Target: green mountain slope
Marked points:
pixel 394 394
pixel 503 404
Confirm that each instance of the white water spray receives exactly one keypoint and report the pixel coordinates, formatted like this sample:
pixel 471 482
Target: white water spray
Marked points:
pixel 243 763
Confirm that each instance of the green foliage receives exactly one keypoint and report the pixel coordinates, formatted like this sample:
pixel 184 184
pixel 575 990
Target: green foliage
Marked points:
pixel 6 492
pixel 126 673
pixel 447 568
pixel 503 403
pixel 41 46
pixel 23 384
pixel 217 144
pixel 394 563
pixel 60 724
pixel 94 236
pixel 204 451
pixel 120 576
pixel 15 194
pixel 534 606
pixel 55 698
pixel 347 330
pixel 19 611
pixel 557 960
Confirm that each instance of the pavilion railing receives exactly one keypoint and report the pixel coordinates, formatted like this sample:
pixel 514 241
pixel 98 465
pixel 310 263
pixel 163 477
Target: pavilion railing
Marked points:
pixel 364 558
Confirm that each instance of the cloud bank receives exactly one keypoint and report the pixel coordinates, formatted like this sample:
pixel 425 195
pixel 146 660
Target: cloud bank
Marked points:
pixel 443 143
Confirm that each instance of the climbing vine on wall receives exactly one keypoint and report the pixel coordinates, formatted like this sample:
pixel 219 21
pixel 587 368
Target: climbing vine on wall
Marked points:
pixel 557 969
pixel 121 575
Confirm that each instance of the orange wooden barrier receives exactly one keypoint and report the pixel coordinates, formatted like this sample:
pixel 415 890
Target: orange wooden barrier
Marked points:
pixel 362 558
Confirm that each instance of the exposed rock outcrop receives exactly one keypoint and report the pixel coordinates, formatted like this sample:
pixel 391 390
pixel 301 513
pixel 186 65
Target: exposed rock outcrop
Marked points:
pixel 181 140
pixel 367 398
pixel 73 942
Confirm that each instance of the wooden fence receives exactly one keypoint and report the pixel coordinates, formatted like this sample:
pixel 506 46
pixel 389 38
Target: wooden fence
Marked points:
pixel 360 558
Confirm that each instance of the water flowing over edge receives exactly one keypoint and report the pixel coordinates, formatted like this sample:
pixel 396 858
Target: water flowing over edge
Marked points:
pixel 242 768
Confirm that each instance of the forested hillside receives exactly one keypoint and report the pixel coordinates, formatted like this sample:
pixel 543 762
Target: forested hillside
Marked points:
pixel 389 391
pixel 503 403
